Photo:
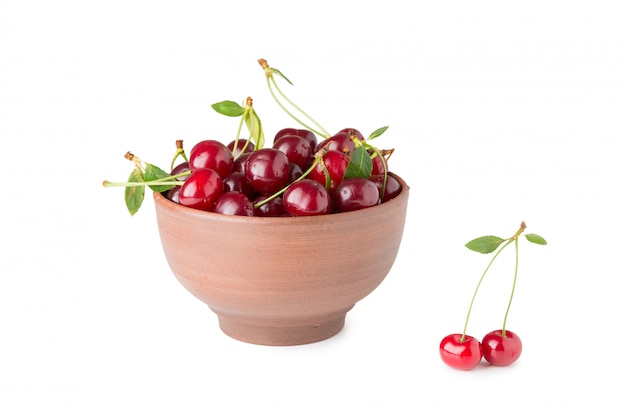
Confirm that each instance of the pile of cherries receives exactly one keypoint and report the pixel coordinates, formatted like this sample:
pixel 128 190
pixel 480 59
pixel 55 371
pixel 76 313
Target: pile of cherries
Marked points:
pixel 296 176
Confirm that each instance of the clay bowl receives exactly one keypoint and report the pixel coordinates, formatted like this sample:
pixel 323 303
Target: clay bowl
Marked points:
pixel 281 281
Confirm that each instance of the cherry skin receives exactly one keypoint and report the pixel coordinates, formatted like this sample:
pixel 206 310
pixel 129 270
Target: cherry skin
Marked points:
pixel 341 141
pixel 234 203
pixel 180 169
pixel 501 350
pixel 355 132
pixel 237 182
pixel 461 355
pixel 201 189
pixel 336 163
pixel 297 149
pixel 211 154
pixel 304 133
pixel 354 194
pixel 240 162
pixel 306 198
pixel 392 186
pixel 267 170
pixel 243 146
pixel 271 209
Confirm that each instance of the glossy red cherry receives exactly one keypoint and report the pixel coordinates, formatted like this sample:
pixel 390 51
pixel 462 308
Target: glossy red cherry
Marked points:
pixel 392 186
pixel 341 142
pixel 354 132
pixel 354 194
pixel 243 146
pixel 336 164
pixel 460 354
pixel 501 350
pixel 304 133
pixel 201 189
pixel 272 208
pixel 297 149
pixel 234 203
pixel 211 154
pixel 306 198
pixel 267 170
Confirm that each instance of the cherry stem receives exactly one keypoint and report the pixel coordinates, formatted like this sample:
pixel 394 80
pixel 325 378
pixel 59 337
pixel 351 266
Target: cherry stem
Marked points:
pixel 271 81
pixel 478 285
pixel 513 288
pixel 164 181
pixel 513 238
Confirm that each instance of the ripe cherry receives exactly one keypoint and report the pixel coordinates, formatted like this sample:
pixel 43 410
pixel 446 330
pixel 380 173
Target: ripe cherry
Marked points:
pixel 501 350
pixel 341 142
pixel 201 189
pixel 271 208
pixel 392 186
pixel 234 203
pixel 237 182
pixel 297 149
pixel 460 351
pixel 267 170
pixel 211 154
pixel 182 168
pixel 306 198
pixel 304 133
pixel 243 146
pixel 336 164
pixel 354 132
pixel 240 162
pixel 354 194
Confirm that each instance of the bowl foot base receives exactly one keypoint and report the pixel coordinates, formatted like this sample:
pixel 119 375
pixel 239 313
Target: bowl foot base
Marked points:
pixel 282 335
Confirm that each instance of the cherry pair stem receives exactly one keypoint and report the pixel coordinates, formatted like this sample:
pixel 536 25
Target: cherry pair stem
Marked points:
pixel 514 238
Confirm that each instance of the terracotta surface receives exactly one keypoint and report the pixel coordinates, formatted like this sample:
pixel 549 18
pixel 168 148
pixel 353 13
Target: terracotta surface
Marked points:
pixel 281 281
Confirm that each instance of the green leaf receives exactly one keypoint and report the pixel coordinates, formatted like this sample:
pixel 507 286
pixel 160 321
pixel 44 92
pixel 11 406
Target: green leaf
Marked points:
pixel 228 108
pixel 378 132
pixel 485 245
pixel 253 122
pixel 134 194
pixel 152 173
pixel 536 239
pixel 360 164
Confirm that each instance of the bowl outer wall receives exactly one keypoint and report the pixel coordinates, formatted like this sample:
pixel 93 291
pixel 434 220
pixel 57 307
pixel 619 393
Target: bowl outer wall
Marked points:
pixel 298 267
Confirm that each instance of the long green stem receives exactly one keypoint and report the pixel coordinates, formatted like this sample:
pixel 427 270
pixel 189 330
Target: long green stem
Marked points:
pixel 323 132
pixel 164 181
pixel 512 289
pixel 478 285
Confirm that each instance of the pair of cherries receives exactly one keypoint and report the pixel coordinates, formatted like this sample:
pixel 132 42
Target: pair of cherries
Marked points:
pixel 464 352
pixel 500 347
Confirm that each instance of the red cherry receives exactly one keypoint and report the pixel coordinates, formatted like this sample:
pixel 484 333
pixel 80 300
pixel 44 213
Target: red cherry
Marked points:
pixel 272 208
pixel 355 132
pixel 267 170
pixel 341 142
pixel 354 194
pixel 460 354
pixel 242 146
pixel 297 149
pixel 201 189
pixel 336 163
pixel 306 198
pixel 234 203
pixel 392 186
pixel 211 154
pixel 303 133
pixel 501 350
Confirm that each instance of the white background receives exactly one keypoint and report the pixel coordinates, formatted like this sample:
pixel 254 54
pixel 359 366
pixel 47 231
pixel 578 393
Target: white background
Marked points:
pixel 498 111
